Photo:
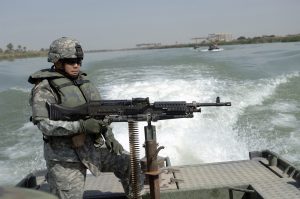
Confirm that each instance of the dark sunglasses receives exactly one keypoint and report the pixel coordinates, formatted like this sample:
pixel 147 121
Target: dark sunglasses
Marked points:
pixel 72 61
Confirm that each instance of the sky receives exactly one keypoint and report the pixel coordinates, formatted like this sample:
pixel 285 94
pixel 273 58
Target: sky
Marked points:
pixel 114 24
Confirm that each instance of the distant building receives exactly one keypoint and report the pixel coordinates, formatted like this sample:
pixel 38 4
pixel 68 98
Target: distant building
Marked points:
pixel 147 45
pixel 213 37
pixel 220 37
pixel 199 39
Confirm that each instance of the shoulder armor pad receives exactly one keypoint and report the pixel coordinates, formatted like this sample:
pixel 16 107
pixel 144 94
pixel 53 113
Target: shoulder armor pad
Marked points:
pixel 43 74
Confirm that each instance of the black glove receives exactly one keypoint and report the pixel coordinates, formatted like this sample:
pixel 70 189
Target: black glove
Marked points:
pixel 111 143
pixel 91 126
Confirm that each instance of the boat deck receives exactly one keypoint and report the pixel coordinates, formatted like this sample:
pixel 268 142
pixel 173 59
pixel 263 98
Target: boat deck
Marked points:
pixel 268 177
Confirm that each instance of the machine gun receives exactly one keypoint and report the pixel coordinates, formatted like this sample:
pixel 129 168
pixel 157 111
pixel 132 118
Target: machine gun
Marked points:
pixel 132 111
pixel 137 109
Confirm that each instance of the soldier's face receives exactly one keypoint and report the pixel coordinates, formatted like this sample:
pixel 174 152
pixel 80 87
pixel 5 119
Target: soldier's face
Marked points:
pixel 72 68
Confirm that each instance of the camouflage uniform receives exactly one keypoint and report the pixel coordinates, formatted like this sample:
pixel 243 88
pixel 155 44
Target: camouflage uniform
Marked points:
pixel 66 164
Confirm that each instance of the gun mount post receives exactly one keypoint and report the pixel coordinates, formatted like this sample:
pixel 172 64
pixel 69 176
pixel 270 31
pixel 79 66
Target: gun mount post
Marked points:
pixel 151 156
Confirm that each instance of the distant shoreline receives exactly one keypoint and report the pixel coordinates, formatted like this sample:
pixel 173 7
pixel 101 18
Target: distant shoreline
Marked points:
pixel 240 40
pixel 15 54
pixel 10 56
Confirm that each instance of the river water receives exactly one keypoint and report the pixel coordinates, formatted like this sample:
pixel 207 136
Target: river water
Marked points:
pixel 262 81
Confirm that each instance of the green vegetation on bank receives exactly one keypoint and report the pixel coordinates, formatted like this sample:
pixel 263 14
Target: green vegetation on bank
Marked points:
pixel 11 53
pixel 264 39
pixel 17 55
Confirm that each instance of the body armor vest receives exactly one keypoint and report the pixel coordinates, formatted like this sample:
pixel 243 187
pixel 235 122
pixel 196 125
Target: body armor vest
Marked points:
pixel 70 92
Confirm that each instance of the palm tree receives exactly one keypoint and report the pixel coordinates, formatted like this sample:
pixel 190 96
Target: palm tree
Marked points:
pixel 19 48
pixel 9 47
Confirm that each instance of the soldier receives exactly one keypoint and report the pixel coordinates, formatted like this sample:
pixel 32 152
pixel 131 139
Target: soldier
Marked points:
pixel 71 147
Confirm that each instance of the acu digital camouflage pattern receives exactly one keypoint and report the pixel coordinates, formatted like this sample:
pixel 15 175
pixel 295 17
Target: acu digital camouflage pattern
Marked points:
pixel 64 47
pixel 66 164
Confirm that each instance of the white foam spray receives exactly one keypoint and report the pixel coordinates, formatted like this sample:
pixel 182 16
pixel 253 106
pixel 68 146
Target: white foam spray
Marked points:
pixel 24 156
pixel 208 137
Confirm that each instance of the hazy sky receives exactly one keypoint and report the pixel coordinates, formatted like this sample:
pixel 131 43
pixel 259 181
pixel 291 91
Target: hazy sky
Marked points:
pixel 103 24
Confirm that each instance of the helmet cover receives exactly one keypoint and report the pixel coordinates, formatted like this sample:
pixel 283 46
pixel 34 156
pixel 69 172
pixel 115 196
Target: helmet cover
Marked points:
pixel 63 48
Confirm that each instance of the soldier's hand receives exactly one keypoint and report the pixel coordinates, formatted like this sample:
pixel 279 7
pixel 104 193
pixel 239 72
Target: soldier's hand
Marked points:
pixel 111 143
pixel 90 126
pixel 107 121
pixel 114 146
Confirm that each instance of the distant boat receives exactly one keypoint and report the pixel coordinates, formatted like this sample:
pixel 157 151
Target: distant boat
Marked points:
pixel 212 50
pixel 214 47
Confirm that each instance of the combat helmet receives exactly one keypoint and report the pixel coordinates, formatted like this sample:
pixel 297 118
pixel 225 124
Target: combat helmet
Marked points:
pixel 63 48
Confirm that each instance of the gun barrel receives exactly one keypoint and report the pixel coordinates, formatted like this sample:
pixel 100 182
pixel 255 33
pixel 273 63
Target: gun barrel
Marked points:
pixel 215 104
